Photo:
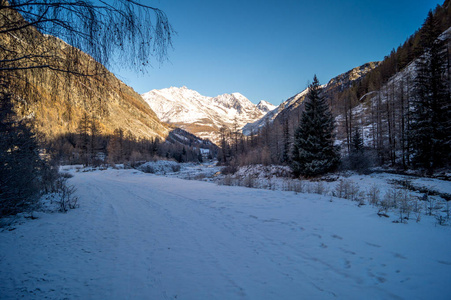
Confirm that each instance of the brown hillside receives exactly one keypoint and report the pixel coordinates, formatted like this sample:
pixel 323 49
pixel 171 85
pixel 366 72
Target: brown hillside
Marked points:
pixel 55 100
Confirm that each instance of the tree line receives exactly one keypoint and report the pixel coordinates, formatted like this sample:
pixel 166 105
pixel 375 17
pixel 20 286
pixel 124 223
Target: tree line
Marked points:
pixel 90 147
pixel 400 120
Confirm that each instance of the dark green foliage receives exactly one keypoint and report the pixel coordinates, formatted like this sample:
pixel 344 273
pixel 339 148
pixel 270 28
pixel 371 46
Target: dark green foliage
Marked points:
pixel 314 152
pixel 20 165
pixel 286 142
pixel 430 128
pixel 358 159
pixel 411 49
pixel 357 142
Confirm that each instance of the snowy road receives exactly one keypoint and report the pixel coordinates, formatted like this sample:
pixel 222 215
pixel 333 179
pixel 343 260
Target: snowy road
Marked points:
pixel 139 236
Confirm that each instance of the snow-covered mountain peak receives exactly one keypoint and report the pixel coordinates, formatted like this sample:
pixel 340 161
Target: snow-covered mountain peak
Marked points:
pixel 238 96
pixel 265 106
pixel 200 114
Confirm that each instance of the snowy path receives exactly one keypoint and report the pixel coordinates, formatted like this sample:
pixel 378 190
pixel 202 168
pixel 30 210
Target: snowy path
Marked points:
pixel 139 236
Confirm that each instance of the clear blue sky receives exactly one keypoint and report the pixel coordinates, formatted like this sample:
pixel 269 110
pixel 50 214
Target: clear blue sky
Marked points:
pixel 271 49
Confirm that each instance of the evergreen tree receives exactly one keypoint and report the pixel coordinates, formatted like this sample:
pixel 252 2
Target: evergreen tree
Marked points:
pixel 430 126
pixel 21 167
pixel 357 159
pixel 286 141
pixel 314 152
pixel 357 141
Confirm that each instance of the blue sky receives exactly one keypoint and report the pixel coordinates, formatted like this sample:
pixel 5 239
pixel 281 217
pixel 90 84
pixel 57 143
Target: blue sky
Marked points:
pixel 270 50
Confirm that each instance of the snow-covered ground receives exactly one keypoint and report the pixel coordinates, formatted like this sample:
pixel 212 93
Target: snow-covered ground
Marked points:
pixel 143 236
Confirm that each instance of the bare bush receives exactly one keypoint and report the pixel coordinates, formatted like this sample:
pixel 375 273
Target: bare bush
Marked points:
pixel 230 169
pixel 447 211
pixel 403 203
pixel 66 200
pixel 429 203
pixel 299 186
pixel 319 188
pixel 249 181
pixel 391 198
pixel 416 209
pixel 309 188
pixel 148 169
pixel 354 193
pixel 361 199
pixel 342 188
pixel 271 184
pixel 441 220
pixel 200 176
pixel 373 195
pixel 348 189
pixel 175 168
pixel 227 180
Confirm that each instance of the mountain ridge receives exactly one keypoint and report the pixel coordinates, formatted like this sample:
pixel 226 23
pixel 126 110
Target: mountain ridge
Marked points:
pixel 339 82
pixel 203 115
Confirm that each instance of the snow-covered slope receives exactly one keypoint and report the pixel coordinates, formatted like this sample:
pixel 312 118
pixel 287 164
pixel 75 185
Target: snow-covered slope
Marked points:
pixel 399 86
pixel 252 128
pixel 337 83
pixel 265 106
pixel 139 236
pixel 203 115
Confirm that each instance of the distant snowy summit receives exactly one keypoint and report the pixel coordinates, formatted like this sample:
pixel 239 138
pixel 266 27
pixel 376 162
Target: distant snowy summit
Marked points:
pixel 202 115
pixel 265 106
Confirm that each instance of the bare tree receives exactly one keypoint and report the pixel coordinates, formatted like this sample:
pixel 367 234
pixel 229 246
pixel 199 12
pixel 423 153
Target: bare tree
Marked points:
pixel 102 29
pixel 41 40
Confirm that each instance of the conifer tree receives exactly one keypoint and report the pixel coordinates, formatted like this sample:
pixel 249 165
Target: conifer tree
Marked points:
pixel 357 141
pixel 357 159
pixel 314 152
pixel 21 167
pixel 430 127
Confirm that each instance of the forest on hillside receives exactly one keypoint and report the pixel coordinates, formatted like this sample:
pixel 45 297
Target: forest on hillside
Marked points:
pixel 397 115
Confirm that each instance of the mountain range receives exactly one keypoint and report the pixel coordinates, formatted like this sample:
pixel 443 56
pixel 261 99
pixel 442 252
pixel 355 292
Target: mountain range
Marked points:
pixel 59 101
pixel 203 115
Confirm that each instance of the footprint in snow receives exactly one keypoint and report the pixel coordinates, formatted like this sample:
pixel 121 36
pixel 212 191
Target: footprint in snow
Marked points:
pixel 347 264
pixel 347 251
pixel 397 255
pixel 317 235
pixel 373 245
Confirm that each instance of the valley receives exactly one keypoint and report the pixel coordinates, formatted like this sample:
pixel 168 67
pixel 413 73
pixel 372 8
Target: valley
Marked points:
pixel 341 190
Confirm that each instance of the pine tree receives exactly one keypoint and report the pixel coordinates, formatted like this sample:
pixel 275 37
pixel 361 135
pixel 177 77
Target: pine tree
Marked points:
pixel 357 159
pixel 286 141
pixel 430 127
pixel 21 167
pixel 314 152
pixel 357 141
